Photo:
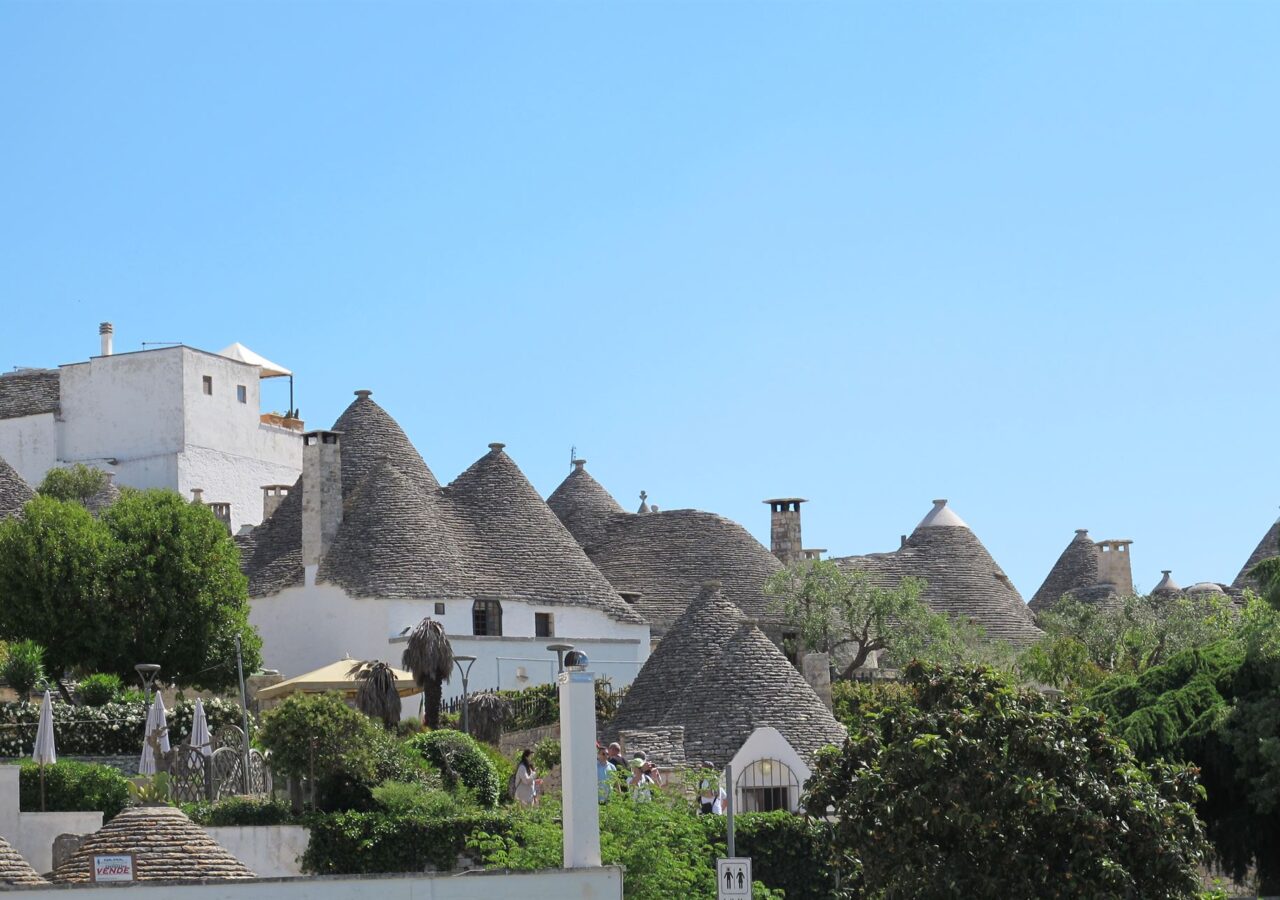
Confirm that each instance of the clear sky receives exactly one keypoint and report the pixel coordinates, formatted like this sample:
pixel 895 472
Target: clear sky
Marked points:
pixel 1020 255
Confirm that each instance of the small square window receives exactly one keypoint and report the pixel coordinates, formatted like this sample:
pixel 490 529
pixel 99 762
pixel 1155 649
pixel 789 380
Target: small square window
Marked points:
pixel 208 385
pixel 242 393
pixel 439 609
pixel 544 625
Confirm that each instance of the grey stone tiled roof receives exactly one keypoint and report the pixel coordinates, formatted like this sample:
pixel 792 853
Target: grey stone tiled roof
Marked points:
pixel 29 392
pixel 14 492
pixel 1075 572
pixel 487 534
pixel 103 498
pixel 14 869
pixel 1267 547
pixel 167 846
pixel 961 579
pixel 716 675
pixel 583 505
pixel 665 556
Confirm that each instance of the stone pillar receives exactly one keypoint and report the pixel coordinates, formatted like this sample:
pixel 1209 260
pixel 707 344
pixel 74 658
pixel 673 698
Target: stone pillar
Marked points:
pixel 581 802
pixel 321 497
pixel 784 530
pixel 9 784
pixel 1114 566
pixel 816 668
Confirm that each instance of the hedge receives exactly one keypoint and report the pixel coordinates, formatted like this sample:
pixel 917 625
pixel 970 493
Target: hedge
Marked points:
pixel 460 760
pixel 71 786
pixel 788 852
pixel 361 843
pixel 111 730
pixel 241 811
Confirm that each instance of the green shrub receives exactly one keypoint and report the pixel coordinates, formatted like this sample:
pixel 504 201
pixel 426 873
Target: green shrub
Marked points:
pixel 100 689
pixel 460 760
pixel 241 811
pixel 111 730
pixel 320 734
pixel 403 799
pixel 358 843
pixel 788 852
pixel 408 727
pixel 23 667
pixel 546 754
pixel 73 786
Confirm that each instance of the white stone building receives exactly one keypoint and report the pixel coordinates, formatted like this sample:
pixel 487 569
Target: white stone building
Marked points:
pixel 367 543
pixel 172 417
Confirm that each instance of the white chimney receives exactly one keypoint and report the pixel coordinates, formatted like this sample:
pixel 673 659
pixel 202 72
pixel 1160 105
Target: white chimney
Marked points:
pixel 105 330
pixel 321 497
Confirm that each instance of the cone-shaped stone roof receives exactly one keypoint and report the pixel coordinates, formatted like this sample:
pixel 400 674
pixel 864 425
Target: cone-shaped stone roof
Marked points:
pixel 487 534
pixel 961 578
pixel 1167 585
pixel 583 505
pixel 30 392
pixel 719 678
pixel 14 869
pixel 106 496
pixel 665 556
pixel 1268 547
pixel 14 492
pixel 1075 572
pixel 167 846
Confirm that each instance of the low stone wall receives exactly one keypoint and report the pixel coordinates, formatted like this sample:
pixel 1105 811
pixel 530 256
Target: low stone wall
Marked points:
pixel 270 851
pixel 512 742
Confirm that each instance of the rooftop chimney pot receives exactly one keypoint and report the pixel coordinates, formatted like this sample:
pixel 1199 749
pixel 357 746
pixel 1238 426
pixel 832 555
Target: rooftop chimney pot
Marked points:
pixel 105 331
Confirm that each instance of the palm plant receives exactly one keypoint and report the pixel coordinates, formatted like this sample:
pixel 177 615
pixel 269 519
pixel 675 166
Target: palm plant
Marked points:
pixel 429 657
pixel 23 667
pixel 376 694
pixel 485 714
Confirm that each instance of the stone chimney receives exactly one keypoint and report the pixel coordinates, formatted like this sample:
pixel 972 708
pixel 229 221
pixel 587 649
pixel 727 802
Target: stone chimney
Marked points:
pixel 784 530
pixel 222 512
pixel 197 496
pixel 321 497
pixel 272 496
pixel 105 332
pixel 1114 567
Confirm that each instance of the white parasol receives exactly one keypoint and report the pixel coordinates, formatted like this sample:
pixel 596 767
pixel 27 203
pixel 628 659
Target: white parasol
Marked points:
pixel 156 722
pixel 45 753
pixel 200 730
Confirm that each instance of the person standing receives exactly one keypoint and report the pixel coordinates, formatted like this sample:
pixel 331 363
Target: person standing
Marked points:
pixel 527 780
pixel 605 775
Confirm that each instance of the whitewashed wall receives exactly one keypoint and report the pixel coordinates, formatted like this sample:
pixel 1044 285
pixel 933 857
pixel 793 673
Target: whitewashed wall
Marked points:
pixel 304 628
pixel 127 406
pixel 551 884
pixel 30 445
pixel 32 833
pixel 270 851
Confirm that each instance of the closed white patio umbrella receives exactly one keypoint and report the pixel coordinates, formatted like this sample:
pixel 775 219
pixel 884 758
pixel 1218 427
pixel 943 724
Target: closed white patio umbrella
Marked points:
pixel 156 722
pixel 200 730
pixel 45 753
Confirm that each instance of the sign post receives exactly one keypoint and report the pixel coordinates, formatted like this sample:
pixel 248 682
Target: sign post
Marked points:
pixel 733 878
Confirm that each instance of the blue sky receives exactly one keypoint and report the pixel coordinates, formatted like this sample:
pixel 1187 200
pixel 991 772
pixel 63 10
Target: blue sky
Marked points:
pixel 1020 255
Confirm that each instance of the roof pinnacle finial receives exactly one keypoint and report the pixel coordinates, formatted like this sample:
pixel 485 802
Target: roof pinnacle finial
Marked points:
pixel 578 464
pixel 363 394
pixel 644 507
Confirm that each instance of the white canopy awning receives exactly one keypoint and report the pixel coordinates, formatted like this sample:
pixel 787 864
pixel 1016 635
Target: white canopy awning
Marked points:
pixel 266 367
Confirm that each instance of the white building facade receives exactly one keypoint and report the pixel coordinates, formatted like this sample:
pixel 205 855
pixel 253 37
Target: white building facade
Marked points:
pixel 172 417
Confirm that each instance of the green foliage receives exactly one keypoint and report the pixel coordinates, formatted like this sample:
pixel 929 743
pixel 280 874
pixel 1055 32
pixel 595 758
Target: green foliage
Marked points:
pixel 460 761
pixel 1085 642
pixel 155 578
pixel 241 811
pixel 546 754
pixel 150 790
pixel 111 730
pixel 788 852
pixel 74 786
pixel 408 727
pixel 100 689
pixel 853 701
pixel 351 843
pixel 77 483
pixel 846 614
pixel 23 667
pixel 320 735
pixel 1217 707
pixel 408 800
pixel 977 788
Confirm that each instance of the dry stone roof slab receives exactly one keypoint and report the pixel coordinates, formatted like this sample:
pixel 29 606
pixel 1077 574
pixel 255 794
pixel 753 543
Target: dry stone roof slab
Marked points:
pixel 961 578
pixel 29 392
pixel 583 505
pixel 486 535
pixel 1075 572
pixel 1268 547
pixel 14 869
pixel 719 678
pixel 14 492
pixel 167 846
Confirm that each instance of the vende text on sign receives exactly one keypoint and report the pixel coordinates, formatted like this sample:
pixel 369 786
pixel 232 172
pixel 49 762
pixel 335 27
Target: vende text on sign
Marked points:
pixel 113 867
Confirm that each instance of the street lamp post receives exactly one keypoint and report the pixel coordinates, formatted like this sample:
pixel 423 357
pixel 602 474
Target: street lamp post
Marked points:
pixel 147 672
pixel 466 673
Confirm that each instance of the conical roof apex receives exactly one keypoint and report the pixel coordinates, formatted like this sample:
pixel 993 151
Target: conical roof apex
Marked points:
pixel 14 869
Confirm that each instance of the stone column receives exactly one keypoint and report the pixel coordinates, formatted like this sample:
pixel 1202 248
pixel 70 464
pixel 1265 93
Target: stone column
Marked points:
pixel 578 769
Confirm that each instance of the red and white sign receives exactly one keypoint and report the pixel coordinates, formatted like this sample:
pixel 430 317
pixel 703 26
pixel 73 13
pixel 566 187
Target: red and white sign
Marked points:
pixel 117 867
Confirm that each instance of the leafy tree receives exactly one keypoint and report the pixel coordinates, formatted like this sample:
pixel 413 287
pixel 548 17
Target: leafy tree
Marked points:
pixel 319 734
pixel 845 614
pixel 975 787
pixel 1267 573
pixel 376 693
pixel 78 483
pixel 1217 707
pixel 23 667
pixel 460 762
pixel 154 579
pixel 1084 642
pixel 429 656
